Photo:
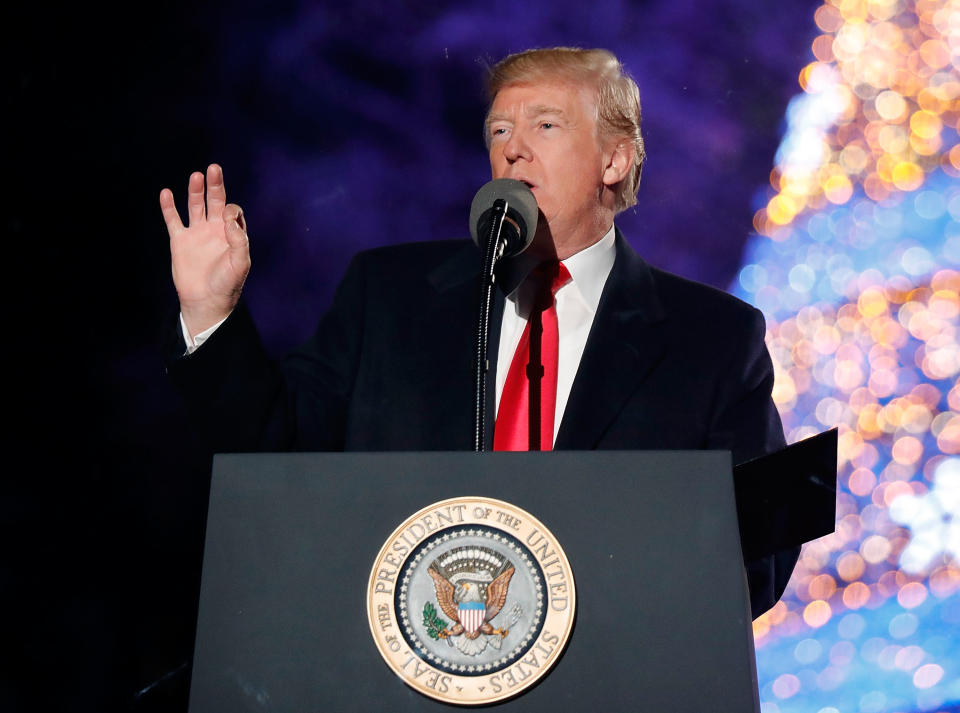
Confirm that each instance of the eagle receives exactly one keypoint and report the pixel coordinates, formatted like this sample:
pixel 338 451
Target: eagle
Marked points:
pixel 464 604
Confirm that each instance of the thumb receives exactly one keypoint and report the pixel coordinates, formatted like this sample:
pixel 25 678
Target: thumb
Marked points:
pixel 236 233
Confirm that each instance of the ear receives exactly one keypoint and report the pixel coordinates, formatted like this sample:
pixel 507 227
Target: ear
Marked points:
pixel 619 161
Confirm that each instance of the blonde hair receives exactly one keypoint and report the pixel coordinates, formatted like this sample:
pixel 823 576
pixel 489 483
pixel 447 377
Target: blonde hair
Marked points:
pixel 618 98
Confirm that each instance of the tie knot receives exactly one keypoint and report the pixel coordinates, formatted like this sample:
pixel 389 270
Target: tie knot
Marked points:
pixel 552 274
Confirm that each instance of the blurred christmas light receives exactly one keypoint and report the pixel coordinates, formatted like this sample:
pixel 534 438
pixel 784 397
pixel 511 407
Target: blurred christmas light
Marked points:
pixel 856 265
pixel 933 519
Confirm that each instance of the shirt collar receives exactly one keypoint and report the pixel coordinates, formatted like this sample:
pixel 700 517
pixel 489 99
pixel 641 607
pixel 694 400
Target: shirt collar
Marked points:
pixel 590 268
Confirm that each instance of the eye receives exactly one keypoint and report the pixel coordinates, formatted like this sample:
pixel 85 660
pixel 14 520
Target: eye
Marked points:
pixel 546 124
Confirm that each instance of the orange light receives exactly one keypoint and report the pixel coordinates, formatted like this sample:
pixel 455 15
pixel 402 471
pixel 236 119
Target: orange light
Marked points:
pixel 912 595
pixel 822 587
pixel 891 106
pixel 828 18
pixel 935 54
pixel 838 189
pixel 872 302
pixel 944 581
pixel 817 613
pixel 856 595
pixel 925 124
pixel 907 176
pixel 782 209
pixel 823 48
pixel 906 450
pixel 875 549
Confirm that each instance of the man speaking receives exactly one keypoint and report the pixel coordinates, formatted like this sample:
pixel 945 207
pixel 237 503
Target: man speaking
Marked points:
pixel 617 344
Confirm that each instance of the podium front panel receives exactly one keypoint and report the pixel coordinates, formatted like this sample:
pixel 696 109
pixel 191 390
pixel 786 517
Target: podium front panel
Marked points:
pixel 662 621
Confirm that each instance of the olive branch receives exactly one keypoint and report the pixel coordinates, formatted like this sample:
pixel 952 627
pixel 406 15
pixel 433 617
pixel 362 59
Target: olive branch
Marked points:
pixel 432 621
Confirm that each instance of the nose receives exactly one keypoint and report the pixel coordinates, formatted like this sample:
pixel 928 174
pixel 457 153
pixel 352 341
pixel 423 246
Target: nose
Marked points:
pixel 516 147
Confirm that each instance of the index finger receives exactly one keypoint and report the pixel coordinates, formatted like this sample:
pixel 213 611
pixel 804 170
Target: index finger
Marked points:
pixel 170 215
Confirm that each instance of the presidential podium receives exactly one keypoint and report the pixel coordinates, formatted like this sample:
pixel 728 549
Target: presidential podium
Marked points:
pixel 662 619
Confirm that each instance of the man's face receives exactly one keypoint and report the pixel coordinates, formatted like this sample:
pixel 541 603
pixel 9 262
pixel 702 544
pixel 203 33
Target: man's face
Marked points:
pixel 546 136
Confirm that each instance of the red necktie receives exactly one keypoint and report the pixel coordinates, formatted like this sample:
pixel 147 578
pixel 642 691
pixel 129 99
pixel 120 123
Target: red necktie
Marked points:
pixel 529 399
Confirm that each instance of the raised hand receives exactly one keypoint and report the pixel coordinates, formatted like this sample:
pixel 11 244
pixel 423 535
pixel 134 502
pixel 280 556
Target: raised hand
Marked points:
pixel 210 258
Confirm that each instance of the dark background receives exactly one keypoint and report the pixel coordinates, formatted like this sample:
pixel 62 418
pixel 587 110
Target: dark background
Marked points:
pixel 339 128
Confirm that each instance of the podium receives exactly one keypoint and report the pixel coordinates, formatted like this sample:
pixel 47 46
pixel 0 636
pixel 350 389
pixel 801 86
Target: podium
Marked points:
pixel 662 612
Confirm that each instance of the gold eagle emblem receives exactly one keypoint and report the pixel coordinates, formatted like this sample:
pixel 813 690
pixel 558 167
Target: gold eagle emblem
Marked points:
pixel 470 593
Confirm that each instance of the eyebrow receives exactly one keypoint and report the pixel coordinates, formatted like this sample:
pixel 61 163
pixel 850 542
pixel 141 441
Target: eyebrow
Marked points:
pixel 540 109
pixel 535 110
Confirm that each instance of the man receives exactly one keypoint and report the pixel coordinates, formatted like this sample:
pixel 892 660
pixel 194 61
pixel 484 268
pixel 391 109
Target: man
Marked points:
pixel 389 365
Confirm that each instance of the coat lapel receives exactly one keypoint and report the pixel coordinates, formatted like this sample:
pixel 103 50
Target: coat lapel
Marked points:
pixel 625 343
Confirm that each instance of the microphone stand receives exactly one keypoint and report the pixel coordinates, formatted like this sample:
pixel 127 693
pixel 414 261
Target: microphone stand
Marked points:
pixel 493 250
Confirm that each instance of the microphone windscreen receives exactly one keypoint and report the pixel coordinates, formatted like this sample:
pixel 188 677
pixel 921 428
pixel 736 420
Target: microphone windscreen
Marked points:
pixel 521 204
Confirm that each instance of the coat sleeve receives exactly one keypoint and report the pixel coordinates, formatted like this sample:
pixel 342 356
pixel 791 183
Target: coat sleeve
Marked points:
pixel 239 400
pixel 747 423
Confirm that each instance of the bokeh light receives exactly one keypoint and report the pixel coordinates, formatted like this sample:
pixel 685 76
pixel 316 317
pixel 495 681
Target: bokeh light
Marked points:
pixel 856 265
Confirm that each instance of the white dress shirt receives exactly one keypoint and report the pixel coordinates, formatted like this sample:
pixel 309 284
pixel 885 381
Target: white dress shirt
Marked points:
pixel 194 343
pixel 577 303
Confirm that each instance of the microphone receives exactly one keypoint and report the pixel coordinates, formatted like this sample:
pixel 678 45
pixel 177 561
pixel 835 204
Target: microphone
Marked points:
pixel 503 221
pixel 519 223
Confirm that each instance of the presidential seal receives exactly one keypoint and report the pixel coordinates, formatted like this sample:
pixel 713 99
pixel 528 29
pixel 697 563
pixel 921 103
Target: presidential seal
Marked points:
pixel 471 600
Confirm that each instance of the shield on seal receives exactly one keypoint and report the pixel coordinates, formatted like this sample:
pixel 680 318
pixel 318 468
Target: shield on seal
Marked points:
pixel 471 615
